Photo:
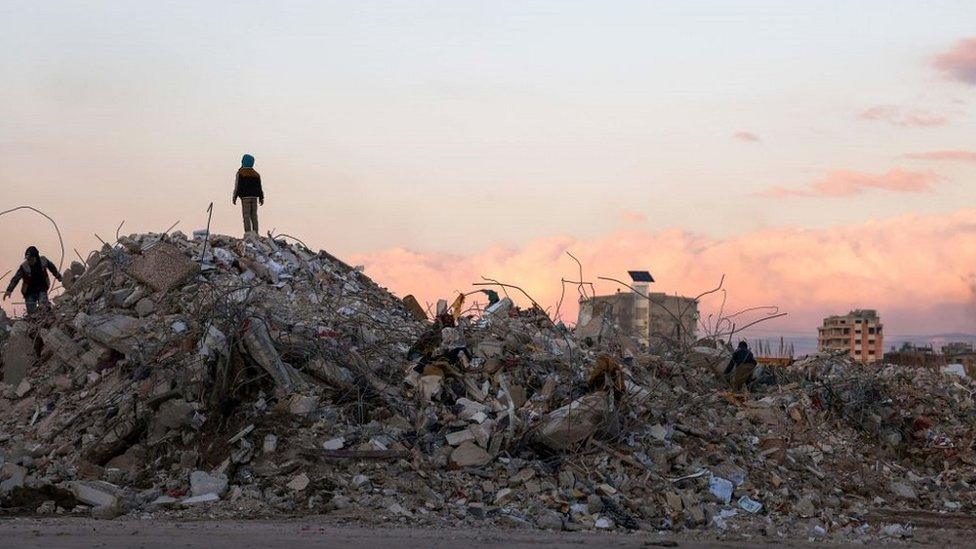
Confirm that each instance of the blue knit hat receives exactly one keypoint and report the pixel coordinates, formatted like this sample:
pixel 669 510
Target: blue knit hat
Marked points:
pixel 247 161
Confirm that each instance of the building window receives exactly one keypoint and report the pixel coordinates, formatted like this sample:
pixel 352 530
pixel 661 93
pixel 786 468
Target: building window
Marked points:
pixel 871 330
pixel 847 331
pixel 870 351
pixel 857 321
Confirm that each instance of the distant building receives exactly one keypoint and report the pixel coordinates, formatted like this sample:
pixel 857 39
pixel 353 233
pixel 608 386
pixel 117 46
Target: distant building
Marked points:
pixel 957 348
pixel 915 355
pixel 656 320
pixel 858 332
pixel 961 353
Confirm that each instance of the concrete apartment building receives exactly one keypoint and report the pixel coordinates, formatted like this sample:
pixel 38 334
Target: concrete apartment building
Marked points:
pixel 859 332
pixel 651 321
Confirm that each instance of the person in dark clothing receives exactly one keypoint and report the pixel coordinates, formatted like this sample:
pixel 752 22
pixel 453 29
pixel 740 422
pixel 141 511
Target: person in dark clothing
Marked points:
pixel 33 272
pixel 741 356
pixel 248 188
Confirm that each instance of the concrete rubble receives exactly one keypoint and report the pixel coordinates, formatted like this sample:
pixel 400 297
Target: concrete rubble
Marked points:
pixel 179 377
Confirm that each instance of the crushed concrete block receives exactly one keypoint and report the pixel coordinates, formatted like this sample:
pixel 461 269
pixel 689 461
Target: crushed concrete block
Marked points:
pixel 334 444
pixel 299 483
pixel 18 354
pixel 145 307
pixel 302 405
pixel 134 297
pixel 117 332
pixel 202 483
pixel 257 342
pixel 63 346
pixel 458 437
pixel 903 490
pixel 162 267
pixel 209 497
pixel 565 427
pixel 23 388
pixel 95 493
pixel 13 477
pixel 468 454
pixel 174 413
pixel 413 307
pixel 106 512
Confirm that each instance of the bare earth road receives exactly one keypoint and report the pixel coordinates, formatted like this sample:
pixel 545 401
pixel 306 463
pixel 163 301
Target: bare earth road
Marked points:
pixel 86 533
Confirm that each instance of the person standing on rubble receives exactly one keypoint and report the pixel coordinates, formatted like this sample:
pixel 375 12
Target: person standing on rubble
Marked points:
pixel 33 272
pixel 248 188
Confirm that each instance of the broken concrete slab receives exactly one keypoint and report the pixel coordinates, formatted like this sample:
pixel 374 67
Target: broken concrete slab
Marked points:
pixel 18 354
pixel 95 492
pixel 118 332
pixel 202 483
pixel 569 425
pixel 162 267
pixel 468 454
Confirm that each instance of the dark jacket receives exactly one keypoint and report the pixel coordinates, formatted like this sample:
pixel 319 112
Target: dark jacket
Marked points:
pixel 248 184
pixel 35 278
pixel 739 357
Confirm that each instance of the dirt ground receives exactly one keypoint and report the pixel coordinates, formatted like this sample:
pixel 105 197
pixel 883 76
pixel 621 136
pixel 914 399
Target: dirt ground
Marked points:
pixel 84 533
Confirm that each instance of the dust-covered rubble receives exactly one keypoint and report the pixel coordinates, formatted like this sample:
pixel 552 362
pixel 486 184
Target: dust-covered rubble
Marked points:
pixel 180 377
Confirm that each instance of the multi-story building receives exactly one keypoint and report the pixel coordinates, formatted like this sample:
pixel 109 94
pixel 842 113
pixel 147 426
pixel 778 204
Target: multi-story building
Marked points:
pixel 859 332
pixel 655 320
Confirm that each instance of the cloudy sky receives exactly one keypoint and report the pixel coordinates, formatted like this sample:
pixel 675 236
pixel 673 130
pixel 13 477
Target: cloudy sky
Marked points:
pixel 821 155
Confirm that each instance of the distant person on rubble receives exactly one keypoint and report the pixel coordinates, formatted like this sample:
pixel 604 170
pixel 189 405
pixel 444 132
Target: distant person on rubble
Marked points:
pixel 740 366
pixel 33 272
pixel 248 188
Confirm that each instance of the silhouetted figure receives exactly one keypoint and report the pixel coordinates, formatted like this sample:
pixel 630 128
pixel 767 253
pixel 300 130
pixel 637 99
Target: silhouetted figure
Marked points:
pixel 248 188
pixel 33 272
pixel 740 368
pixel 742 355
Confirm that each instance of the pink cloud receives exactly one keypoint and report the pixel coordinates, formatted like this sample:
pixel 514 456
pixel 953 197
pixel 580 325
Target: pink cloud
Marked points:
pixel 917 268
pixel 842 183
pixel 964 156
pixel 959 63
pixel 904 117
pixel 745 136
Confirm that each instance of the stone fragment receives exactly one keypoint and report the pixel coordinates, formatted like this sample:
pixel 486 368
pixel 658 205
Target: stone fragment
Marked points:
pixel 95 493
pixel 299 483
pixel 568 426
pixel 23 388
pixel 105 512
pixel 458 437
pixel 301 405
pixel 503 497
pixel 334 444
pixel 117 332
pixel 18 354
pixel 198 500
pixel 202 483
pixel 903 490
pixel 145 307
pixel 468 454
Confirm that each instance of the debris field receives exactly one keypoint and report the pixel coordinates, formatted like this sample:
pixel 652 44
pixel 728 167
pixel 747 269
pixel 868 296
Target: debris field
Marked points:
pixel 218 377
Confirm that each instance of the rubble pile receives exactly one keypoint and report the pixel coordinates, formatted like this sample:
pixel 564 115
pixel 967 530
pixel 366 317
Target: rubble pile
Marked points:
pixel 224 376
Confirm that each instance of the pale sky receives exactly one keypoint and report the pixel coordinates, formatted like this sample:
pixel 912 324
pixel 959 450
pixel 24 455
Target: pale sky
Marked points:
pixel 451 128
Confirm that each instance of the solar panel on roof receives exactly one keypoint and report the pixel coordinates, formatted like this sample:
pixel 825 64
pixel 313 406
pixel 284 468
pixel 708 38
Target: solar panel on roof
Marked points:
pixel 640 276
